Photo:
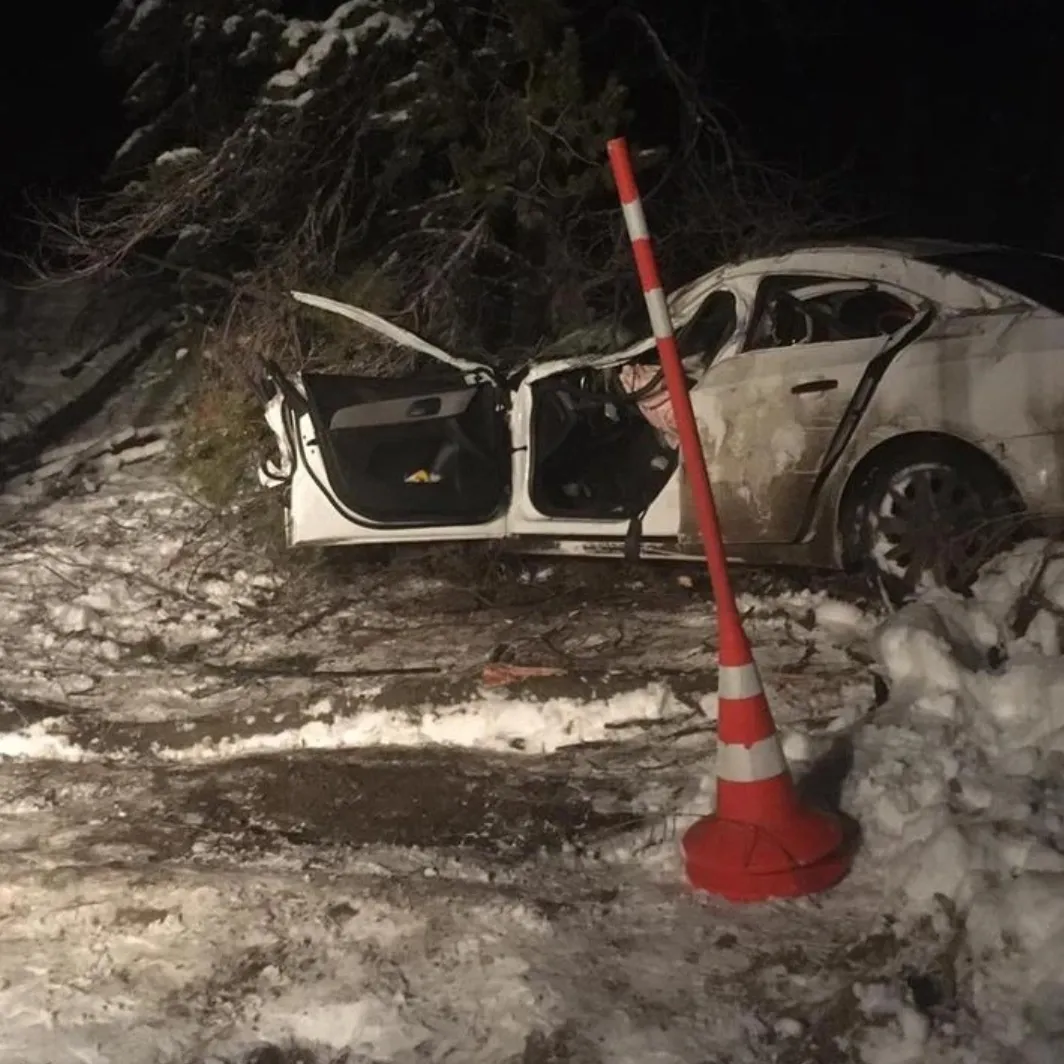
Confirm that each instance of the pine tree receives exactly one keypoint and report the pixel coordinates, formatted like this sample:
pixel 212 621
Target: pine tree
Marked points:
pixel 454 148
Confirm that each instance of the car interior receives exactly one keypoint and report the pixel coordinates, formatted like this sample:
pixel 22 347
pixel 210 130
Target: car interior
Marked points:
pixel 595 455
pixel 412 451
pixel 807 310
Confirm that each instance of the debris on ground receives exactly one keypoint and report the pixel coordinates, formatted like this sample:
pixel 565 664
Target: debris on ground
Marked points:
pixel 243 819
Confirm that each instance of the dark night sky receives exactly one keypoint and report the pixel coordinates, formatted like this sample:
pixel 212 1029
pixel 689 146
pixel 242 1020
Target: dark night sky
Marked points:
pixel 944 117
pixel 59 113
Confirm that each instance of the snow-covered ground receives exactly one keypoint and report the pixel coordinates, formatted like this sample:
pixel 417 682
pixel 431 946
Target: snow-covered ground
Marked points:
pixel 240 810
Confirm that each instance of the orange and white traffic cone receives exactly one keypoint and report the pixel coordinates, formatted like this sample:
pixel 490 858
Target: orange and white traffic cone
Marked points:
pixel 762 841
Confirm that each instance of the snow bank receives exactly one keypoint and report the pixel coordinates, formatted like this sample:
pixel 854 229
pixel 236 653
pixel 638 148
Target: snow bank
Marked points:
pixel 485 723
pixel 958 784
pixel 488 722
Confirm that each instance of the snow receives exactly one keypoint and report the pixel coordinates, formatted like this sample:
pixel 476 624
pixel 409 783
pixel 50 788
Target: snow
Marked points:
pixel 335 33
pixel 960 790
pixel 309 62
pixel 905 1040
pixel 237 812
pixel 144 80
pixel 343 12
pixel 390 26
pixel 131 141
pixel 115 949
pixel 143 11
pixel 297 32
pixel 300 101
pixel 391 118
pixel 406 81
pixel 177 156
pixel 37 742
pixel 487 723
pixel 842 620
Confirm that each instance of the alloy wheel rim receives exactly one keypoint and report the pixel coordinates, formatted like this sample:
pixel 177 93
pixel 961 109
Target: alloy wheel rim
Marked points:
pixel 930 523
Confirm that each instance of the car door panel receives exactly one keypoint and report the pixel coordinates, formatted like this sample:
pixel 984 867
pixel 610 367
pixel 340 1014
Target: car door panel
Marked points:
pixel 769 420
pixel 375 460
pixel 420 407
pixel 372 450
pixel 764 442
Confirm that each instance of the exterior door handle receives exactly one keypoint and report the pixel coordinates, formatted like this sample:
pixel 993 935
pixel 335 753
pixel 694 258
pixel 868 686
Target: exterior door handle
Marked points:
pixel 828 385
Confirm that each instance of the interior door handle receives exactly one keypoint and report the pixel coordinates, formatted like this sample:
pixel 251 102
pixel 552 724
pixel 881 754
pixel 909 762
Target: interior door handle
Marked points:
pixel 823 385
pixel 426 407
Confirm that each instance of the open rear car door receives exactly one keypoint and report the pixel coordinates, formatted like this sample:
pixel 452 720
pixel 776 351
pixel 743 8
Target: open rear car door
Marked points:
pixel 424 458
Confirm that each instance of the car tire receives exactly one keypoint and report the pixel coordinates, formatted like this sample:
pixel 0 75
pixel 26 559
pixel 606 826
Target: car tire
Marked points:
pixel 931 519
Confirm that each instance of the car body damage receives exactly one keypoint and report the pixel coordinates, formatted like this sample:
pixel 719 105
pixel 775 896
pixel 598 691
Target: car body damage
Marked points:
pixel 812 375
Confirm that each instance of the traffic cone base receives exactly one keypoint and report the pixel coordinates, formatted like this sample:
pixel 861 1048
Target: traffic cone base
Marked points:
pixel 747 862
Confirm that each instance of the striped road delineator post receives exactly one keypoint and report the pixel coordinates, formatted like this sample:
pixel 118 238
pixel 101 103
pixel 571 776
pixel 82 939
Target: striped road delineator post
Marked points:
pixel 762 841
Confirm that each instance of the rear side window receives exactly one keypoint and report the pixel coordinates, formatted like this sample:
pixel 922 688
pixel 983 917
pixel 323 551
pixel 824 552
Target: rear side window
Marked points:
pixel 1027 273
pixel 818 310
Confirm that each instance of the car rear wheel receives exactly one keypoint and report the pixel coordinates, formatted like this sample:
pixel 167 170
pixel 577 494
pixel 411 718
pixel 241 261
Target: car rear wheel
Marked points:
pixel 923 521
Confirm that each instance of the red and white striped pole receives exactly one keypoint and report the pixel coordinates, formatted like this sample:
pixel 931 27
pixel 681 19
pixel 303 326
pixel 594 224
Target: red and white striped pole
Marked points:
pixel 734 647
pixel 762 841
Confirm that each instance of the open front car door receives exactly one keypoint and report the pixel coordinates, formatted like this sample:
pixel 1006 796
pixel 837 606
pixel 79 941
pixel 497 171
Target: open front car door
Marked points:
pixel 424 458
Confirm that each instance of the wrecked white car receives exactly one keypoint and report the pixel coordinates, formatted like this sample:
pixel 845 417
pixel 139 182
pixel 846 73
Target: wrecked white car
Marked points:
pixel 878 404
